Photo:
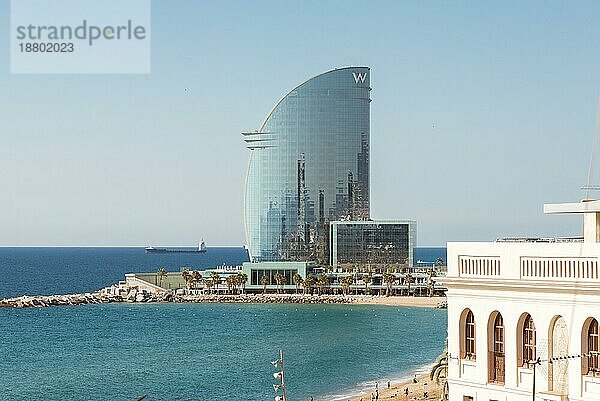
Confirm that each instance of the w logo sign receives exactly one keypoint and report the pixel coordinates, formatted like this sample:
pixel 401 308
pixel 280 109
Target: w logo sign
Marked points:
pixel 359 76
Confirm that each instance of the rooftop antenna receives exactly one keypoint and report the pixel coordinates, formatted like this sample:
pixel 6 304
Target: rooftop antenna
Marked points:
pixel 589 187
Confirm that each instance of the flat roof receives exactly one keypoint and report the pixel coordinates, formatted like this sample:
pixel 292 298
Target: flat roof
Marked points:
pixel 373 222
pixel 586 206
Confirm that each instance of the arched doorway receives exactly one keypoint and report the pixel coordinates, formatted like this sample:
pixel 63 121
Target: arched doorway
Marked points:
pixel 496 348
pixel 558 372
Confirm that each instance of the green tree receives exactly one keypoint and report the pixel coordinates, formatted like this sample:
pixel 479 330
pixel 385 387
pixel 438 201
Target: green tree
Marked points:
pixel 242 280
pixel 230 281
pixel 389 279
pixel 308 284
pixel 408 280
pixel 366 278
pixel 439 373
pixel 216 278
pixel 346 283
pixel 280 280
pixel 196 278
pixel 298 281
pixel 186 277
pixel 322 282
pixel 160 275
pixel 264 280
pixel 208 283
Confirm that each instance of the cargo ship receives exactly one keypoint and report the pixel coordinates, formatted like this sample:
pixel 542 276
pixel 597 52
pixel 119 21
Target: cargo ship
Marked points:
pixel 201 249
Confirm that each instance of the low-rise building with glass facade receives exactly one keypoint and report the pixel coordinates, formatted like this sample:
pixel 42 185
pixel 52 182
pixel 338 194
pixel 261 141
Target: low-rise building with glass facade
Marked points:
pixel 382 243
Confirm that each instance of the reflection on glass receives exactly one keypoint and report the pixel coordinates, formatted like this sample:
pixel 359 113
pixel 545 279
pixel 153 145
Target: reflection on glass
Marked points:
pixel 309 165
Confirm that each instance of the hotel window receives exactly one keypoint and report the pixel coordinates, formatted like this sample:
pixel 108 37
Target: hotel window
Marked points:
pixel 528 341
pixel 496 360
pixel 591 363
pixel 469 336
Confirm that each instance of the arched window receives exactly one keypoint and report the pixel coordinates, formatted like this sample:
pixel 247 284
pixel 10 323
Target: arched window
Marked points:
pixel 528 341
pixel 470 336
pixel 591 349
pixel 496 357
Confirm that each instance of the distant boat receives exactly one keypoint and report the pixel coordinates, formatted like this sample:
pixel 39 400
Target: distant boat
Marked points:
pixel 201 249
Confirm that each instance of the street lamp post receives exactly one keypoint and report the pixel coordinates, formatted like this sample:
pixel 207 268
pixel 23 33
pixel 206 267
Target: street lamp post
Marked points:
pixel 279 376
pixel 538 361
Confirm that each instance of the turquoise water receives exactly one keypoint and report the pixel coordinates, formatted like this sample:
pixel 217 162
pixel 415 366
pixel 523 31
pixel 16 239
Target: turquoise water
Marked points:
pixel 209 351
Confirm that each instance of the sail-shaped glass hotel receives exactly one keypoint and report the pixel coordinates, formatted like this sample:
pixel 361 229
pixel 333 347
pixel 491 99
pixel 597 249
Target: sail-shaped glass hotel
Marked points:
pixel 309 165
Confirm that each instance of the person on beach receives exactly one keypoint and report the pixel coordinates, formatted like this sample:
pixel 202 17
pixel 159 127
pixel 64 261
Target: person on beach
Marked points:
pixel 406 392
pixel 415 379
pixel 388 383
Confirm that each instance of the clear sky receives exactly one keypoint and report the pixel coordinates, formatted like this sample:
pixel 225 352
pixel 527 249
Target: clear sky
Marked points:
pixel 481 112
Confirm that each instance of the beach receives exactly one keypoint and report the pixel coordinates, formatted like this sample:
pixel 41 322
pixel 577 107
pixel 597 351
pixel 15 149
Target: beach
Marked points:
pixel 396 391
pixel 428 302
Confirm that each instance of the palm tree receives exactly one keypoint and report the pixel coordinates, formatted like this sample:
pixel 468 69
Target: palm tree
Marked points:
pixel 366 278
pixel 322 282
pixel 208 283
pixel 346 283
pixel 298 281
pixel 439 373
pixel 242 280
pixel 214 276
pixel 264 280
pixel 160 274
pixel 196 277
pixel 230 280
pixel 186 277
pixel 389 279
pixel 280 280
pixel 309 282
pixel 408 279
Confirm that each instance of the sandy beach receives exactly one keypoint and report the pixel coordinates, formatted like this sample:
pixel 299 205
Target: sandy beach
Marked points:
pixel 423 389
pixel 428 302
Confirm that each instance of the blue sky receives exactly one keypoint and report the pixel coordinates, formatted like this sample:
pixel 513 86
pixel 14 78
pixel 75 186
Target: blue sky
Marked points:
pixel 481 112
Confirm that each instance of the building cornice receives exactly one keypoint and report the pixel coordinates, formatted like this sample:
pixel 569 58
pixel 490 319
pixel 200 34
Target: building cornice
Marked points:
pixel 527 285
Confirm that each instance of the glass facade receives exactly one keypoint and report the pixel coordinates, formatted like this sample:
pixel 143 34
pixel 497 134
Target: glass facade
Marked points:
pixel 256 276
pixel 372 242
pixel 309 165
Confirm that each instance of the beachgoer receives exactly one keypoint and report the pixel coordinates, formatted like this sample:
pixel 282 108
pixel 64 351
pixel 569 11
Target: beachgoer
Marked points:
pixel 415 379
pixel 406 391
pixel 376 385
pixel 388 384
pixel 425 395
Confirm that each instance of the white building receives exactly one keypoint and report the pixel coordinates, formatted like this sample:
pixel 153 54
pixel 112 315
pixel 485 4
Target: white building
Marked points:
pixel 514 301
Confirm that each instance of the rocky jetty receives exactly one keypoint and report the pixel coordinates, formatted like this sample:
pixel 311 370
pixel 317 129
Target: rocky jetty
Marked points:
pixel 59 300
pixel 267 299
pixel 136 295
pixel 139 296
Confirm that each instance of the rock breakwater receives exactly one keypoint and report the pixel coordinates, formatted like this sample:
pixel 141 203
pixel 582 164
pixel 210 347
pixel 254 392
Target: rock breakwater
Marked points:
pixel 135 296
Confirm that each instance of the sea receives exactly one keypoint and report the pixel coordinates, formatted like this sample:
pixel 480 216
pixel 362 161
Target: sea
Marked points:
pixel 194 351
